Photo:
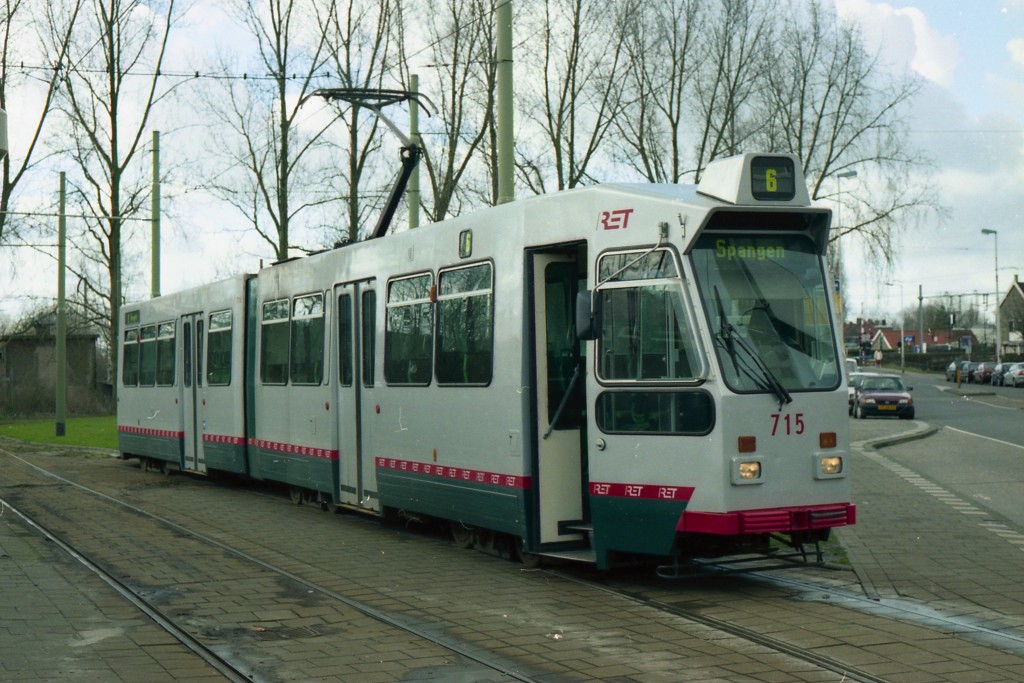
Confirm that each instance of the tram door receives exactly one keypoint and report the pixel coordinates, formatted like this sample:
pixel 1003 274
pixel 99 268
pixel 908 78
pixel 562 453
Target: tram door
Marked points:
pixel 356 331
pixel 559 404
pixel 192 400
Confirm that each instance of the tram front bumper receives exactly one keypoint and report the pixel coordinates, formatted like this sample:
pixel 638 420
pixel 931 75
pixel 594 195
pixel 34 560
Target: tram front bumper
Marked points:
pixel 773 520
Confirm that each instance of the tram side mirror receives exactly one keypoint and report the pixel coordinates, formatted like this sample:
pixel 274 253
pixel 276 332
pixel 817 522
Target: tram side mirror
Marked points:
pixel 588 317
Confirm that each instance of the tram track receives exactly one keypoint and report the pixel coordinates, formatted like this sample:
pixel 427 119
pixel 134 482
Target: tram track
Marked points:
pixel 222 665
pixel 1008 639
pixel 232 670
pixel 663 597
pixel 844 670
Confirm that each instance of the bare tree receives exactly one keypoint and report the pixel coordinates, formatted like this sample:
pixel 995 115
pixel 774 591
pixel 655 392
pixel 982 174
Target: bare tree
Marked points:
pixel 582 60
pixel 109 91
pixel 736 44
pixel 273 172
pixel 57 22
pixel 460 36
pixel 829 102
pixel 661 40
pixel 360 38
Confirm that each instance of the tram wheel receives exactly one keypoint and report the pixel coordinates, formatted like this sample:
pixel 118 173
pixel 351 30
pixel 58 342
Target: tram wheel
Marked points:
pixel 463 536
pixel 528 560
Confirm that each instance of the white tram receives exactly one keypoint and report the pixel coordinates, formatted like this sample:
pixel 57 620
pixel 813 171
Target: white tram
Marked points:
pixel 613 370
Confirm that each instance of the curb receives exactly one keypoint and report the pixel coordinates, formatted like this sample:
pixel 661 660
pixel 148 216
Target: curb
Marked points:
pixel 885 441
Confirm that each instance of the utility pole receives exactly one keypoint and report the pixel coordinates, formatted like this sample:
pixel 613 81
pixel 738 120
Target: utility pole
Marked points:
pixel 920 318
pixel 413 191
pixel 154 286
pixel 62 323
pixel 506 167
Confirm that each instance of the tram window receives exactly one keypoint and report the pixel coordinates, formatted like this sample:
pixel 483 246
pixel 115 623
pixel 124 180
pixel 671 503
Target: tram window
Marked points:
pixel 307 339
pixel 274 343
pixel 561 282
pixel 186 333
pixel 652 412
pixel 147 356
pixel 345 340
pixel 369 338
pixel 408 335
pixel 218 349
pixel 130 355
pixel 644 332
pixel 465 325
pixel 199 352
pixel 165 355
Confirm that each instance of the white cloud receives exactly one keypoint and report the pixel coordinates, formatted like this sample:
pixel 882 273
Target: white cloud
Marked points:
pixel 1016 49
pixel 906 36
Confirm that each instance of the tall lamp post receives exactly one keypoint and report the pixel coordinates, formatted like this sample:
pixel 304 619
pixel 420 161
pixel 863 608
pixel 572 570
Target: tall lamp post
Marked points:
pixel 903 332
pixel 839 242
pixel 995 243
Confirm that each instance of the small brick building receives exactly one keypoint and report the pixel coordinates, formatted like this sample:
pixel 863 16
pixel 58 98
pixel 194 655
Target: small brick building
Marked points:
pixel 28 371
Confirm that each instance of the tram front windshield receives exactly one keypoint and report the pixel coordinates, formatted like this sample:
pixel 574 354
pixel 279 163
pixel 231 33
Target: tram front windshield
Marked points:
pixel 765 298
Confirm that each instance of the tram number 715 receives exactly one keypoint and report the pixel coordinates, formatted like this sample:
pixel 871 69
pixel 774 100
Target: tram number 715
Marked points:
pixel 787 424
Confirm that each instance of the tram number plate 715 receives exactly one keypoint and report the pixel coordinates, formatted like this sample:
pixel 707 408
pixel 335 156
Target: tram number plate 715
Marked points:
pixel 788 424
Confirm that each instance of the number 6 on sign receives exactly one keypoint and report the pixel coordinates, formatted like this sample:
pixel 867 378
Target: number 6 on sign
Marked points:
pixel 771 183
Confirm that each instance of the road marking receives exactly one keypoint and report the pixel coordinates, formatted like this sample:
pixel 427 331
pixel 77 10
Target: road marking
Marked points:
pixel 976 399
pixel 982 436
pixel 1002 531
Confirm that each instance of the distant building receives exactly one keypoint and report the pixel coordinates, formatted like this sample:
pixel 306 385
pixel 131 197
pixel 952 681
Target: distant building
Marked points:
pixel 864 336
pixel 1011 318
pixel 28 371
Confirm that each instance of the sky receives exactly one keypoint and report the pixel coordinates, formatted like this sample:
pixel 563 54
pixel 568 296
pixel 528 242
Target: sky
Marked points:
pixel 967 120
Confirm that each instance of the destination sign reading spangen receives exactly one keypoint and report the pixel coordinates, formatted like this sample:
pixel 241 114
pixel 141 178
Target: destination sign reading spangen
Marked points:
pixel 760 252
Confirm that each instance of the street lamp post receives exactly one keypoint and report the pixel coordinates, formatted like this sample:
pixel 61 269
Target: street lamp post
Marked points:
pixel 903 331
pixel 839 242
pixel 995 244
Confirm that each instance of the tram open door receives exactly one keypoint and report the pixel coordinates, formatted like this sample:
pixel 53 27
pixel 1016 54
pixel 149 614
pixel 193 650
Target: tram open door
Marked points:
pixel 559 377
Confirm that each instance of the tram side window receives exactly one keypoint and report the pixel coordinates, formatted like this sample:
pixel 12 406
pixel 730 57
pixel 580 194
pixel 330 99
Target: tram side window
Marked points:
pixel 369 340
pixel 130 354
pixel 644 334
pixel 165 355
pixel 274 343
pixel 307 339
pixel 465 325
pixel 345 340
pixel 408 335
pixel 651 412
pixel 147 356
pixel 218 349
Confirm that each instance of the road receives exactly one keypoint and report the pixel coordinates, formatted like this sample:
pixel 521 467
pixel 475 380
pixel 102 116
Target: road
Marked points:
pixel 978 452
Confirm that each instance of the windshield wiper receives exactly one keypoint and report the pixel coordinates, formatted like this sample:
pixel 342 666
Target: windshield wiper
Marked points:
pixel 727 334
pixel 773 382
pixel 725 331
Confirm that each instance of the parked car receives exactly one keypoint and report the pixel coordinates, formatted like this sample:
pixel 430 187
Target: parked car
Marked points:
pixel 997 373
pixel 1014 375
pixel 951 371
pixel 883 395
pixel 855 379
pixel 983 373
pixel 967 371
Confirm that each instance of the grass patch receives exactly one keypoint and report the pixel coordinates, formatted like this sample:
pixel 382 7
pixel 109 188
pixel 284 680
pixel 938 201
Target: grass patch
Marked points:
pixel 90 432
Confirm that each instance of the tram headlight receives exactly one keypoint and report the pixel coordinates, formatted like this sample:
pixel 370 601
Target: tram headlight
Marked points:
pixel 829 466
pixel 750 470
pixel 747 470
